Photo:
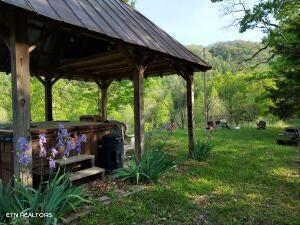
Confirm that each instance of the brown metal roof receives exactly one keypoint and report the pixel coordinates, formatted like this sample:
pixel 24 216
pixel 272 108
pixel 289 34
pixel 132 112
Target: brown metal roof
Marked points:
pixel 112 18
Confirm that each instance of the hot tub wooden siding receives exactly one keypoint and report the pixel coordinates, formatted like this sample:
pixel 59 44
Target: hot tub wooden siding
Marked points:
pixel 94 132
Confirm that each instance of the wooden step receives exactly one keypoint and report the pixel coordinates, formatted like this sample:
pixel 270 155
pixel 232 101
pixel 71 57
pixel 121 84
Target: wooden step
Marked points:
pixel 86 173
pixel 74 159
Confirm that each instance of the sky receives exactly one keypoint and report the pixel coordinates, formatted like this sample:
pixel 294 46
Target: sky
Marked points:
pixel 193 21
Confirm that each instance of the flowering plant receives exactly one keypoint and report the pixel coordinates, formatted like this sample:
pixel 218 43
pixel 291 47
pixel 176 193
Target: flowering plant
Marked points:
pixel 45 204
pixel 63 141
pixel 22 150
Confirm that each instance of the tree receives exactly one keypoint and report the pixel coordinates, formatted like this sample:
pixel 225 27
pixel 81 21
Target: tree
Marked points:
pixel 280 21
pixel 244 96
pixel 130 2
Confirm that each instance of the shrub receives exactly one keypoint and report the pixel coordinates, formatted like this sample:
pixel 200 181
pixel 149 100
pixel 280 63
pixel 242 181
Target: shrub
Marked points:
pixel 201 150
pixel 154 163
pixel 55 196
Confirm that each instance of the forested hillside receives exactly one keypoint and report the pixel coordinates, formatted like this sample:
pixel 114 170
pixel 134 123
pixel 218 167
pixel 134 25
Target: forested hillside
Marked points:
pixel 229 56
pixel 233 92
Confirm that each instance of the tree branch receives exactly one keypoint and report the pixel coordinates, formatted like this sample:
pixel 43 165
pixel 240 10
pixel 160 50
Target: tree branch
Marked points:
pixel 254 55
pixel 264 62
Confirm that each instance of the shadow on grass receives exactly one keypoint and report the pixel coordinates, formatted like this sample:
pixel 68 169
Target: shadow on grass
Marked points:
pixel 248 179
pixel 156 206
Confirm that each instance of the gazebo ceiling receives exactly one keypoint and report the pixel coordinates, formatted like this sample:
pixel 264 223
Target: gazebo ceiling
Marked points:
pixel 94 39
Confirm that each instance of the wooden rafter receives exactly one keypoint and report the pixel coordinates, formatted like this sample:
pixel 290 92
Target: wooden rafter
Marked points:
pixel 102 58
pixel 125 51
pixel 36 44
pixel 108 66
pixel 4 35
pixel 48 79
pixel 103 84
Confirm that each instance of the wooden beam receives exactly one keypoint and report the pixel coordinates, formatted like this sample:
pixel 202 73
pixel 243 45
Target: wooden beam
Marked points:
pixel 48 99
pixel 101 58
pixel 103 86
pixel 37 43
pixel 48 82
pixel 19 52
pixel 138 83
pixel 55 79
pixel 40 79
pixel 125 51
pixel 109 66
pixel 4 35
pixel 83 75
pixel 125 69
pixel 104 100
pixel 190 108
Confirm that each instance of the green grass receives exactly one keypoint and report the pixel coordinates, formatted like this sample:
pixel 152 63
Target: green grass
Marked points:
pixel 248 179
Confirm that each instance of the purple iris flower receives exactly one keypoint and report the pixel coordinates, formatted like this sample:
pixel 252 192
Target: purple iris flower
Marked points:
pixel 43 152
pixel 22 147
pixel 62 135
pixel 52 163
pixel 54 152
pixel 69 147
pixel 22 144
pixel 42 141
pixel 24 159
pixel 81 139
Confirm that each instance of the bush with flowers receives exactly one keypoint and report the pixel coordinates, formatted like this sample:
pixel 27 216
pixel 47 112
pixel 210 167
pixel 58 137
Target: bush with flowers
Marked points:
pixel 53 198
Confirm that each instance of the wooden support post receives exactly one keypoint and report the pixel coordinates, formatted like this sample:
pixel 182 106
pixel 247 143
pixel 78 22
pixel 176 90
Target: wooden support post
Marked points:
pixel 4 35
pixel 103 86
pixel 104 100
pixel 48 99
pixel 139 65
pixel 190 108
pixel 19 52
pixel 48 83
pixel 138 83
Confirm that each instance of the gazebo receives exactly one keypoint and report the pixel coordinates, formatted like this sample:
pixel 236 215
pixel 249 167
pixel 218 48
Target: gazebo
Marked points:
pixel 90 40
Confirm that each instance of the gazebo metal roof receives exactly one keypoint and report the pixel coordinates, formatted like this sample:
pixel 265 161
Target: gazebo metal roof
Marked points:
pixel 113 19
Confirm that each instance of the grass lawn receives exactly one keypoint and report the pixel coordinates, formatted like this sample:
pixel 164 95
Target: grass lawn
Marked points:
pixel 248 179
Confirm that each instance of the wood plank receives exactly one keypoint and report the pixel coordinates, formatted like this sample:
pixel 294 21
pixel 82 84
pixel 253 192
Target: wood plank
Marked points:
pixel 91 76
pixel 86 173
pixel 138 83
pixel 19 52
pixel 108 66
pixel 112 71
pixel 74 159
pixel 92 60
